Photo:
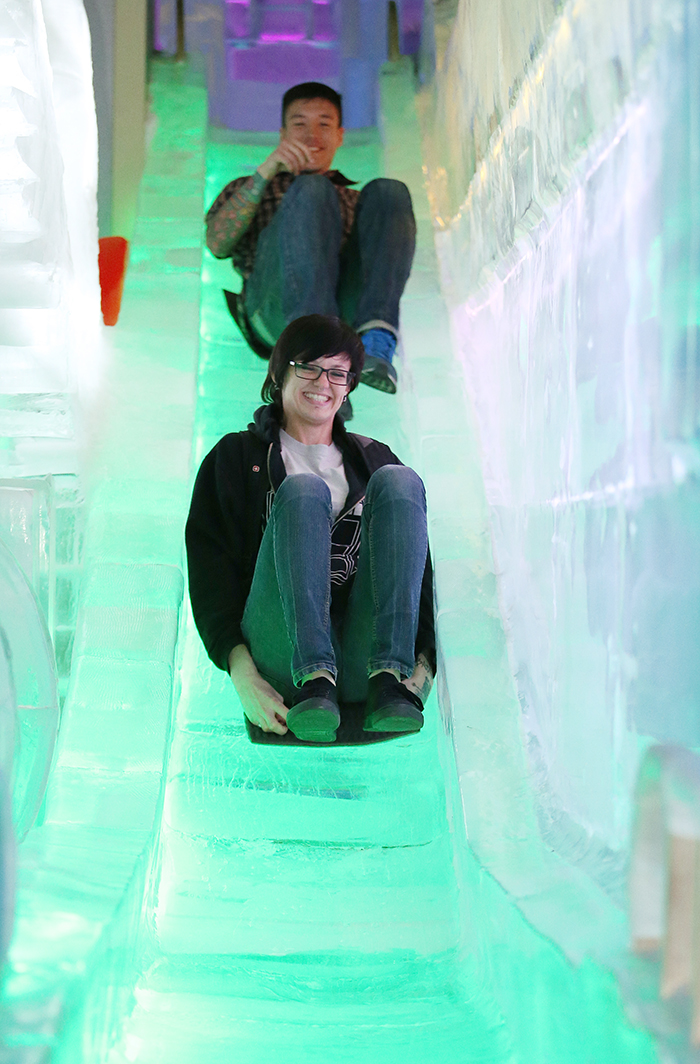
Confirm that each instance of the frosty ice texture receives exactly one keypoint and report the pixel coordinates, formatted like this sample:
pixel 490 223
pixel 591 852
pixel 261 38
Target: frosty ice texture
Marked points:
pixel 49 304
pixel 31 661
pixel 668 807
pixel 571 268
pixel 189 896
pixel 8 719
pixel 83 867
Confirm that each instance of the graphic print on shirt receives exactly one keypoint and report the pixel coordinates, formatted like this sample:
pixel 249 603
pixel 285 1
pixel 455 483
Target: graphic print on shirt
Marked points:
pixel 345 544
pixel 345 540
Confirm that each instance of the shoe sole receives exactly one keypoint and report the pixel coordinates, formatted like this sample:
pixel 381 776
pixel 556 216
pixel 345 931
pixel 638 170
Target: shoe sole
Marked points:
pixel 401 720
pixel 379 380
pixel 314 724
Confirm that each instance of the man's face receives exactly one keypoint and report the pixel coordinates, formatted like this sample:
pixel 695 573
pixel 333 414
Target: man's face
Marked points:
pixel 314 123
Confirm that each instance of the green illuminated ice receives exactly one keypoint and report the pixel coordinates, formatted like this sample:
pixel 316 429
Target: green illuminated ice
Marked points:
pixel 188 897
pixel 269 904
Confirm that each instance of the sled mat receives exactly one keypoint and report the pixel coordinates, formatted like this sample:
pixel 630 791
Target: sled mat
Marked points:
pixel 350 733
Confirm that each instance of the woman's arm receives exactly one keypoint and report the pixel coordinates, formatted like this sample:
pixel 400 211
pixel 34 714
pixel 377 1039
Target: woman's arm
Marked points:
pixel 215 536
pixel 262 705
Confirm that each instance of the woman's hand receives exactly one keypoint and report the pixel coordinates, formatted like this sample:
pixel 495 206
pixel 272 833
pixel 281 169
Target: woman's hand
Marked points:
pixel 262 705
pixel 421 679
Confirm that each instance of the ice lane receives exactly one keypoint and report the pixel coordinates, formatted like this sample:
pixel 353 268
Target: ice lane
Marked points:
pixel 306 898
pixel 322 904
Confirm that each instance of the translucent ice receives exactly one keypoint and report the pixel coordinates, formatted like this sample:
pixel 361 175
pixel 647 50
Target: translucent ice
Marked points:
pixel 189 896
pixel 564 178
pixel 8 720
pixel 49 305
pixel 32 682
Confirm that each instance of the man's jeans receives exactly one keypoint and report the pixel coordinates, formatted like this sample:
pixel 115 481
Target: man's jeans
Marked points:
pixel 300 269
pixel 287 619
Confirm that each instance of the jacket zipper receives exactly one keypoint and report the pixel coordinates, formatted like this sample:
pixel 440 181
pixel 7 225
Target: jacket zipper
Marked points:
pixel 346 512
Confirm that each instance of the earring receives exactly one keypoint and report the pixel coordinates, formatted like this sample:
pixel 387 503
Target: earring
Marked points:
pixel 345 398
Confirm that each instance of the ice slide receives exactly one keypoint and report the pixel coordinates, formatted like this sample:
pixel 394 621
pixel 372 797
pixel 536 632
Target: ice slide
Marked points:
pixel 185 895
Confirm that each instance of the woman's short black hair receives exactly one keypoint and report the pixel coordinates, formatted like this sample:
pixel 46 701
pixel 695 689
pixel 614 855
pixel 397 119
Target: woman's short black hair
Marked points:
pixel 306 339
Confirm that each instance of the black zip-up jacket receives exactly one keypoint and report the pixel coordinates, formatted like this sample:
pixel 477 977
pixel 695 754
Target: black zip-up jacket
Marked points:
pixel 230 505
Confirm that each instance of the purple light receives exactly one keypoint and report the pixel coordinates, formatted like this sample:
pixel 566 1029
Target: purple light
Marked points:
pixel 274 38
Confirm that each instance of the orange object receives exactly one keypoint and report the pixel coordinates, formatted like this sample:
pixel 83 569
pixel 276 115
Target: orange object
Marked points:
pixel 111 262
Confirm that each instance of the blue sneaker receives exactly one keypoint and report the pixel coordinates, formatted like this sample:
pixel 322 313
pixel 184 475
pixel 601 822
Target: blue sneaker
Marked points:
pixel 378 371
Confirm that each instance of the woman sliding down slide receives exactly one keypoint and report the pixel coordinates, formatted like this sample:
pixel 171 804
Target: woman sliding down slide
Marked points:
pixel 307 548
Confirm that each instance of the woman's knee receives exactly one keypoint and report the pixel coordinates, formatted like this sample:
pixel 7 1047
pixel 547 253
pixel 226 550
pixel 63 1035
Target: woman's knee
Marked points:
pixel 398 482
pixel 303 487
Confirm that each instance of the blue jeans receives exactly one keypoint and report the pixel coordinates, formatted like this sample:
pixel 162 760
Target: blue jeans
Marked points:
pixel 287 619
pixel 300 268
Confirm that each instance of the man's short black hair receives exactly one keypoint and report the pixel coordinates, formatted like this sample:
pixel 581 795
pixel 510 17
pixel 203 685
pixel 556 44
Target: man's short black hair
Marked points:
pixel 312 90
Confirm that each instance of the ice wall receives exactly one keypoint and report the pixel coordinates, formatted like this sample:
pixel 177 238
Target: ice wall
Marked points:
pixel 83 867
pixel 50 349
pixel 50 329
pixel 49 299
pixel 8 715
pixel 564 178
pixel 33 712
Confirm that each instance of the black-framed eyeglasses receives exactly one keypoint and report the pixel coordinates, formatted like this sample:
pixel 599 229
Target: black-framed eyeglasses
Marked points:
pixel 308 371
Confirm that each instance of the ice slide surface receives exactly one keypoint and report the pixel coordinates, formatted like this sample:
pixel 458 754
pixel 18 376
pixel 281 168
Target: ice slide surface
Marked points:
pixel 299 905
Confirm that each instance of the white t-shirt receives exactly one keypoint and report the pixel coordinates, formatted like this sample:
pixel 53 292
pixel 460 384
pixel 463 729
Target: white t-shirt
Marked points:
pixel 322 459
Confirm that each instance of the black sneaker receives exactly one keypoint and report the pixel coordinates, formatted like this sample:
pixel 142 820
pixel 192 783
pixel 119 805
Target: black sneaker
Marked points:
pixel 379 374
pixel 391 707
pixel 315 716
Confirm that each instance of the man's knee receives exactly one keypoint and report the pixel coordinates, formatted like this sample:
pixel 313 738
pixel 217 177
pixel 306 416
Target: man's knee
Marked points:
pixel 313 189
pixel 391 194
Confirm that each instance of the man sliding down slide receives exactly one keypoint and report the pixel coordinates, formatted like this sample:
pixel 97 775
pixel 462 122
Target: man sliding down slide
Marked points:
pixel 305 242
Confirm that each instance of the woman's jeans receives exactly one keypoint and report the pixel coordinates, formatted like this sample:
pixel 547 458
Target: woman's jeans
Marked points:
pixel 287 619
pixel 300 268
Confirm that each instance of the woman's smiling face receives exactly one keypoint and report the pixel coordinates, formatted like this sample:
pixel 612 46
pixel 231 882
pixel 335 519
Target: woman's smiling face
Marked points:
pixel 310 406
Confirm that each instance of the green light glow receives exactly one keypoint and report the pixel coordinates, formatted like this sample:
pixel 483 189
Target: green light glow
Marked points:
pixel 302 904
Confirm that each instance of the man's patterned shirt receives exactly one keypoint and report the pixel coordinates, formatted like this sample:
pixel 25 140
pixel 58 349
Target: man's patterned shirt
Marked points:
pixel 243 252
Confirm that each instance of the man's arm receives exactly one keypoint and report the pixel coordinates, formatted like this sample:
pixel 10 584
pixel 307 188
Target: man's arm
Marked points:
pixel 230 216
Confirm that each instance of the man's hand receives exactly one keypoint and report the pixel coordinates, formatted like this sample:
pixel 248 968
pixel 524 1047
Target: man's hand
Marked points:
pixel 421 679
pixel 262 705
pixel 288 155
